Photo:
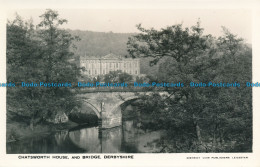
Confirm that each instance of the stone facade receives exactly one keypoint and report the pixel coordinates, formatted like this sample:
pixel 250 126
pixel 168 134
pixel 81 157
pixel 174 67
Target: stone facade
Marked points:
pixel 110 62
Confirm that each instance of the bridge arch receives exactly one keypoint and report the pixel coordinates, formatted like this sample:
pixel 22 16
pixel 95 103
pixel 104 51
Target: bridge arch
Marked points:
pixel 123 101
pixel 89 104
pixel 109 103
pixel 93 107
pixel 97 110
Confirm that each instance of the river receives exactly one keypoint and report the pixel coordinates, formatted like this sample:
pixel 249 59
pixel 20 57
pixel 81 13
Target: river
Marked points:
pixel 127 138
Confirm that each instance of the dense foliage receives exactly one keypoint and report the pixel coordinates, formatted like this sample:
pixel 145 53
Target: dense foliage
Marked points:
pixel 39 54
pixel 207 119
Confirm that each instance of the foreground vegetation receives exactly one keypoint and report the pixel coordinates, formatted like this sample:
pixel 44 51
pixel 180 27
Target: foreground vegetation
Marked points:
pixel 207 119
pixel 41 53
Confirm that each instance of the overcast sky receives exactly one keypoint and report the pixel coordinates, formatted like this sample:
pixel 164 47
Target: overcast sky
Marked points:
pixel 124 21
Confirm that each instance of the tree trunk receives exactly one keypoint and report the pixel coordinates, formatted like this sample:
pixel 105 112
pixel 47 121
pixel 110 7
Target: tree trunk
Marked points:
pixel 214 144
pixel 198 132
pixel 31 123
pixel 197 128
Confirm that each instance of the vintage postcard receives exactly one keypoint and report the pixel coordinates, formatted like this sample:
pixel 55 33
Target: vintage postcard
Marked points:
pixel 143 83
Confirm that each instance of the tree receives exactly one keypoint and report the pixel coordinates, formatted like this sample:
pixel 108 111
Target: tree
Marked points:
pixel 23 52
pixel 183 45
pixel 112 76
pixel 173 41
pixel 125 77
pixel 40 55
pixel 204 113
pixel 117 76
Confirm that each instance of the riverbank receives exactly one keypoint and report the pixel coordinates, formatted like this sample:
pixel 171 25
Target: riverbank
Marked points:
pixel 19 131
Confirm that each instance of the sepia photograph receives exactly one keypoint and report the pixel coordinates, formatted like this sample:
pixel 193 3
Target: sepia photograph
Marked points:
pixel 119 83
pixel 132 87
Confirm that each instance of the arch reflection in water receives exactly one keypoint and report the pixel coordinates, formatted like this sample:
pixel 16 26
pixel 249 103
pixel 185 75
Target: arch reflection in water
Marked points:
pixel 127 138
pixel 94 140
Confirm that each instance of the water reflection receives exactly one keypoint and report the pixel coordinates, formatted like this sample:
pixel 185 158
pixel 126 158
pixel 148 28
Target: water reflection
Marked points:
pixel 44 143
pixel 86 138
pixel 127 138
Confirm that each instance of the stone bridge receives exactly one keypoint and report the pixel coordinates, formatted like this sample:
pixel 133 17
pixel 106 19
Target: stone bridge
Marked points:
pixel 106 105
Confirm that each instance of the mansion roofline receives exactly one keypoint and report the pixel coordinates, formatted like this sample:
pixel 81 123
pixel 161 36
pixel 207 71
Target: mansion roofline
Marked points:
pixel 110 56
pixel 110 62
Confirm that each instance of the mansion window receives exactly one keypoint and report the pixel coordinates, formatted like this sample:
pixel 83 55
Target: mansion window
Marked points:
pixel 104 66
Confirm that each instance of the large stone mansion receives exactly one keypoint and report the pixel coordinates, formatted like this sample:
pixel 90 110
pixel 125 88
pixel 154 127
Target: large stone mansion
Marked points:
pixel 110 62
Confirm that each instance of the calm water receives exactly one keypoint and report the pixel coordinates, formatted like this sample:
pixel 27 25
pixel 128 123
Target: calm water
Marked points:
pixel 128 138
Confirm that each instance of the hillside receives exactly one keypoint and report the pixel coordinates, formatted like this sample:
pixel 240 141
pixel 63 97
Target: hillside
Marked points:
pixel 98 44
